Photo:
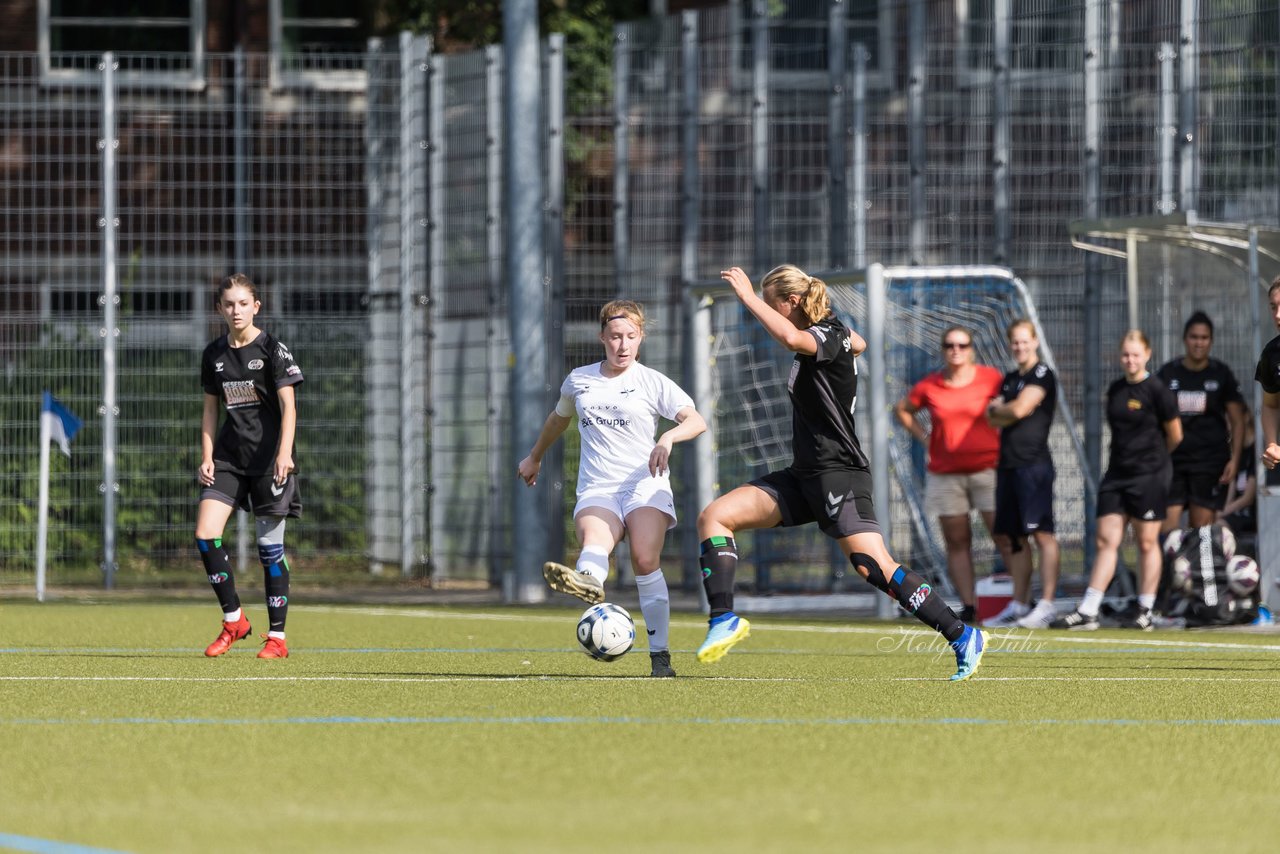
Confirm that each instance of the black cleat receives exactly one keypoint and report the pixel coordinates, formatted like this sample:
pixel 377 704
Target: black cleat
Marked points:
pixel 661 664
pixel 1075 621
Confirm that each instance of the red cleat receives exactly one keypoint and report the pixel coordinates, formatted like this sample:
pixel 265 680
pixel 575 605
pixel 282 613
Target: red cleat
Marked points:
pixel 273 648
pixel 231 632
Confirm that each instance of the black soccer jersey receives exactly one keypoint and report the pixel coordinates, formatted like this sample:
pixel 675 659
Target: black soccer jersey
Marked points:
pixel 824 390
pixel 1202 403
pixel 1268 372
pixel 1136 414
pixel 1026 441
pixel 245 379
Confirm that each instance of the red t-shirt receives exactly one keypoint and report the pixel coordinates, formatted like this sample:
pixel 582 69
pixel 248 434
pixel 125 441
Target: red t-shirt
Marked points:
pixel 961 442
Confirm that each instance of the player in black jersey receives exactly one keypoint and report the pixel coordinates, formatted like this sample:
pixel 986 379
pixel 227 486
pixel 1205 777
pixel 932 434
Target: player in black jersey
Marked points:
pixel 1212 411
pixel 250 465
pixel 1145 428
pixel 1268 376
pixel 1024 478
pixel 828 481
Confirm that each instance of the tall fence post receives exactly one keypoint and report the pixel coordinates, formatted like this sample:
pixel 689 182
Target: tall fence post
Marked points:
pixel 762 255
pixel 1166 130
pixel 435 283
pixel 493 240
pixel 1189 93
pixel 109 332
pixel 555 273
pixel 621 157
pixel 837 134
pixel 859 165
pixel 240 238
pixel 881 493
pixel 530 392
pixel 916 62
pixel 699 460
pixel 411 103
pixel 1001 127
pixel 1092 203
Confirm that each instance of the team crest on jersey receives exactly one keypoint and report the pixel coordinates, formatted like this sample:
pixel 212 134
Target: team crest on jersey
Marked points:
pixel 1173 385
pixel 1134 405
pixel 1211 385
pixel 1041 370
pixel 255 364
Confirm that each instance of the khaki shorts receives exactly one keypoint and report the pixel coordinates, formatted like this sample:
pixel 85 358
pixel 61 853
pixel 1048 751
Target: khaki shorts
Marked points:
pixel 957 494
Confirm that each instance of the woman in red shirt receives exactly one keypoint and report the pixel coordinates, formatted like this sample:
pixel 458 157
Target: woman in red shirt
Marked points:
pixel 963 450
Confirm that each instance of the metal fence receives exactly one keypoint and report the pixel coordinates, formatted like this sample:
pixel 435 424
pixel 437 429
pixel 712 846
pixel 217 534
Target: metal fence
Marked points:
pixel 827 134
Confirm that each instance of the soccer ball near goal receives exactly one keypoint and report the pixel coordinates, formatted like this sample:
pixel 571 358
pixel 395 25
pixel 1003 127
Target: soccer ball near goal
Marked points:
pixel 1242 575
pixel 606 631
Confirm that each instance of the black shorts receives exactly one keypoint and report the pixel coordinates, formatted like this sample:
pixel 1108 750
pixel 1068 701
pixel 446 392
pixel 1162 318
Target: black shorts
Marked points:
pixel 1142 497
pixel 258 493
pixel 1024 500
pixel 838 500
pixel 1197 488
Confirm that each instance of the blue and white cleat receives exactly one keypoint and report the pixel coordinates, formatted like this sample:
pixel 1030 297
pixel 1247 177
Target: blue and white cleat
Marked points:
pixel 723 632
pixel 969 649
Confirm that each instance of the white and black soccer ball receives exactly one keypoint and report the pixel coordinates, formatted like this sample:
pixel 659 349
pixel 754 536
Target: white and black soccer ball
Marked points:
pixel 1180 574
pixel 606 631
pixel 1242 575
pixel 1173 543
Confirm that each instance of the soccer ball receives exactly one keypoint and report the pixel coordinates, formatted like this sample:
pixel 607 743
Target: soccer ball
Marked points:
pixel 1173 543
pixel 1228 541
pixel 606 631
pixel 1180 574
pixel 1242 575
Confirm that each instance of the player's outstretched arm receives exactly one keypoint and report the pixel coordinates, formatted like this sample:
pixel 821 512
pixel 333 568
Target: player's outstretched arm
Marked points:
pixel 552 428
pixel 689 425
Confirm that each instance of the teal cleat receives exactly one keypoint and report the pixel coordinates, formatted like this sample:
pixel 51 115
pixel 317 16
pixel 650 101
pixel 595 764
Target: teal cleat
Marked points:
pixel 969 649
pixel 722 634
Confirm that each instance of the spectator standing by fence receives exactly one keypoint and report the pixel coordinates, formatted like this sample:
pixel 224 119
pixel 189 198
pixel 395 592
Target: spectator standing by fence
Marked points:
pixel 1024 478
pixel 1212 414
pixel 1145 428
pixel 250 465
pixel 963 451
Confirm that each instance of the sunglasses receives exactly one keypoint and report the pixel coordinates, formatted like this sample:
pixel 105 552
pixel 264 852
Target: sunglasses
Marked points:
pixel 956 345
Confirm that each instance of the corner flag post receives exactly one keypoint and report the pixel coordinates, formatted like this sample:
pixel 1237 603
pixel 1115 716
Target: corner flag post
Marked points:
pixel 56 422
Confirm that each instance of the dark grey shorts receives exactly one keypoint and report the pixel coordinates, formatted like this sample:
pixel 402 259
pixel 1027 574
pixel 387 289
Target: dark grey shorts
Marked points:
pixel 839 500
pixel 257 493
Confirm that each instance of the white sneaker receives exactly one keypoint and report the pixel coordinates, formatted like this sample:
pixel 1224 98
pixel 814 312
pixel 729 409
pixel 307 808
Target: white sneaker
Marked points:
pixel 1040 616
pixel 1012 612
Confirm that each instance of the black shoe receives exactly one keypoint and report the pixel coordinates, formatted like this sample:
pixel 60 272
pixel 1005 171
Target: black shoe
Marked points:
pixel 968 614
pixel 1140 620
pixel 1075 621
pixel 660 662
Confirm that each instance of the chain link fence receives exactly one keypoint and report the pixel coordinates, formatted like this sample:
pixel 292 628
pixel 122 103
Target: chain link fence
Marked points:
pixel 832 135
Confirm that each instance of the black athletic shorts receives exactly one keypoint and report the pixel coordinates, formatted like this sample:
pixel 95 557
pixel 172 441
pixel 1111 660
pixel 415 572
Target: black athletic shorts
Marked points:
pixel 1202 490
pixel 1142 497
pixel 1024 500
pixel 258 493
pixel 839 500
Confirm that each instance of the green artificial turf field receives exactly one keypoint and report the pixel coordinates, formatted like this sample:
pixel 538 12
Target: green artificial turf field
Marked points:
pixel 432 729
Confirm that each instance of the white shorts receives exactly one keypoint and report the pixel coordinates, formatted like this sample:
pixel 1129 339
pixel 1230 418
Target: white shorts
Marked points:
pixel 957 494
pixel 621 499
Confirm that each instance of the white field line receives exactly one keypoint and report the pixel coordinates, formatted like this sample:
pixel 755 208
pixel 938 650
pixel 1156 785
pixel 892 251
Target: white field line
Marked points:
pixel 1062 637
pixel 631 678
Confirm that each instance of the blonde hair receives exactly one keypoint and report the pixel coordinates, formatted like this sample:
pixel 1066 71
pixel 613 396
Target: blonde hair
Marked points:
pixel 788 280
pixel 625 309
pixel 1022 321
pixel 1136 335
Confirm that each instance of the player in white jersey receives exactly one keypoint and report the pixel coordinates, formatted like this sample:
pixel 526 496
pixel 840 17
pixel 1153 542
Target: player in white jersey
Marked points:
pixel 624 483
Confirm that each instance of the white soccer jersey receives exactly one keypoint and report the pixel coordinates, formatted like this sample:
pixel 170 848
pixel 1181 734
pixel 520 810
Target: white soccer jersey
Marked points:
pixel 618 420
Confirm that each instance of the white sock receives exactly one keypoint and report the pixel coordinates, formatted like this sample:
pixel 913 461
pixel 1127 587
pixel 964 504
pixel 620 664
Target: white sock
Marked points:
pixel 276 635
pixel 232 616
pixel 655 604
pixel 1147 600
pixel 1020 609
pixel 1091 603
pixel 594 561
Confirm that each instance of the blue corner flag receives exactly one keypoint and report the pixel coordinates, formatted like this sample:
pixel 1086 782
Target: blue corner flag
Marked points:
pixel 62 424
